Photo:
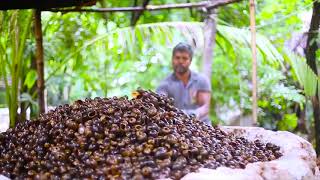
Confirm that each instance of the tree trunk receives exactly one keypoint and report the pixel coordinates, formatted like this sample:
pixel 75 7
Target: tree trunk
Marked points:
pixel 39 60
pixel 24 89
pixel 103 5
pixel 33 90
pixel 302 122
pixel 316 117
pixel 210 29
pixel 190 9
pixel 310 52
pixel 23 110
pixel 136 15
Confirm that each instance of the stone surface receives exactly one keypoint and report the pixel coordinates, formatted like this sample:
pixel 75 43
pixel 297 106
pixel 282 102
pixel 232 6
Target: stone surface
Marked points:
pixel 3 178
pixel 297 163
pixel 4 119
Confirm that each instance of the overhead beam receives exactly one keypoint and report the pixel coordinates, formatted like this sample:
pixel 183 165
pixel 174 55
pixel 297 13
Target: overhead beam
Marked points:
pixel 202 4
pixel 41 4
pixel 217 3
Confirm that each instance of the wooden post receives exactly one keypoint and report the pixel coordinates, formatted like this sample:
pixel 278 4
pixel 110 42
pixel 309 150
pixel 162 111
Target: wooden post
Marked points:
pixel 39 60
pixel 210 29
pixel 254 62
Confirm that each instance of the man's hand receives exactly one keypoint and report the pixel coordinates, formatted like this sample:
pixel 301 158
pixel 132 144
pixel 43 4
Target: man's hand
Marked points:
pixel 203 100
pixel 192 112
pixel 195 113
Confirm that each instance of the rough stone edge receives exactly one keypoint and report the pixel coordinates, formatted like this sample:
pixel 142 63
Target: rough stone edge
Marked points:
pixel 298 161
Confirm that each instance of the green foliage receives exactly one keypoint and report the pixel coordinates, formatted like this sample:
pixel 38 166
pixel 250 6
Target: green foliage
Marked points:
pixel 288 123
pixel 276 96
pixel 15 30
pixel 306 77
pixel 2 99
pixel 30 79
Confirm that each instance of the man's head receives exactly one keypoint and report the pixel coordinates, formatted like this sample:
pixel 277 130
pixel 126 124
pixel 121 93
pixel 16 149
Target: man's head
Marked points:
pixel 181 58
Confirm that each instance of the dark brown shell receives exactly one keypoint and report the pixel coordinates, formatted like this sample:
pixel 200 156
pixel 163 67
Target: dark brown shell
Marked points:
pixel 119 138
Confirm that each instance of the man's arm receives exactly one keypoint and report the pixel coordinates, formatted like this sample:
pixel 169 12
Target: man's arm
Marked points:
pixel 203 97
pixel 203 100
pixel 162 89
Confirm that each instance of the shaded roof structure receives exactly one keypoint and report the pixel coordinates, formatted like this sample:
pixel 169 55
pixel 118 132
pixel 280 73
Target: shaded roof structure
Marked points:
pixel 41 4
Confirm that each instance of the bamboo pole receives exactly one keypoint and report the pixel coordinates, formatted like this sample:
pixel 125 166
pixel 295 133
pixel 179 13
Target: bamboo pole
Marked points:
pixel 39 60
pixel 206 4
pixel 254 62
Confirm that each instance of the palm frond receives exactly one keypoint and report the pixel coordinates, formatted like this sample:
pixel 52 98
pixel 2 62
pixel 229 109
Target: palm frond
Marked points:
pixel 192 31
pixel 14 33
pixel 306 77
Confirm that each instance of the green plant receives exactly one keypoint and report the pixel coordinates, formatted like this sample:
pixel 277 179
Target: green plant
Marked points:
pixel 15 30
pixel 288 123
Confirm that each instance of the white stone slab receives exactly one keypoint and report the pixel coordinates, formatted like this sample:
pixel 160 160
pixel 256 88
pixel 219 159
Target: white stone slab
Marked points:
pixel 297 163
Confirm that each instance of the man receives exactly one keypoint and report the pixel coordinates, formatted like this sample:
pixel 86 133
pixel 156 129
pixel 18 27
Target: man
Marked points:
pixel 190 90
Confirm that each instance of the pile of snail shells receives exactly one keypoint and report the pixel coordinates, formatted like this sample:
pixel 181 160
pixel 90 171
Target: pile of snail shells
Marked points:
pixel 117 138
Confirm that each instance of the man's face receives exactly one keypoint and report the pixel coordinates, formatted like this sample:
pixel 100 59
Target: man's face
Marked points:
pixel 181 61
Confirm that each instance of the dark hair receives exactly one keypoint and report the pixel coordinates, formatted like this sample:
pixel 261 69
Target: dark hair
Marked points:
pixel 183 47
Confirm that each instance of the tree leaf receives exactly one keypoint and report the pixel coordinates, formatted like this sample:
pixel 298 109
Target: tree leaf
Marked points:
pixel 288 123
pixel 30 78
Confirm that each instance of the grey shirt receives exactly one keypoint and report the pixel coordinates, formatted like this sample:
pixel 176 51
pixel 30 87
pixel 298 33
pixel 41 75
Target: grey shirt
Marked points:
pixel 185 96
